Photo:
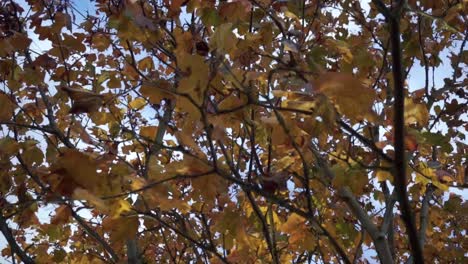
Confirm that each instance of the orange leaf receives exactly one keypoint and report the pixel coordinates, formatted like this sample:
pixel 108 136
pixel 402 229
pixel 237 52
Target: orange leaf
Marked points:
pixel 149 132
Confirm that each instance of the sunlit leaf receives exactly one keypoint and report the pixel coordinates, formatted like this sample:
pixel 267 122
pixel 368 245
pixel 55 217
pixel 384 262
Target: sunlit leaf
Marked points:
pixel 137 103
pixel 415 113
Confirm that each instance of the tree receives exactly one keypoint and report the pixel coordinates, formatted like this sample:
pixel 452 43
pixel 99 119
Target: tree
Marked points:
pixel 248 131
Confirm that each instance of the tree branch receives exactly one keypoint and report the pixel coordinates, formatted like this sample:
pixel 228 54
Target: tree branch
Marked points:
pixel 381 246
pixel 348 197
pixel 92 233
pixel 399 173
pixel 12 242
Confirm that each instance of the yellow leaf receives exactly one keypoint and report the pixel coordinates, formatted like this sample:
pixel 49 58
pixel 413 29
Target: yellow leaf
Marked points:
pixel 196 83
pixel 292 223
pixel 350 95
pixel 156 91
pixel 119 207
pixel 415 113
pixel 137 103
pixel 426 171
pixel 6 107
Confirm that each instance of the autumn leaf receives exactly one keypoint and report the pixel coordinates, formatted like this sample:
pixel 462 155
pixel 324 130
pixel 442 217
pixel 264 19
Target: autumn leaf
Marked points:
pixel 6 107
pixel 352 97
pixel 62 215
pixel 32 155
pixel 353 178
pixel 384 175
pixel 78 167
pixel 137 103
pixel 342 48
pixel 101 42
pixel 196 82
pixel 146 64
pixel 83 101
pixel 121 228
pixel 292 223
pixel 223 39
pixel 119 207
pixel 8 147
pixel 149 132
pixel 98 203
pixel 208 186
pixel 415 113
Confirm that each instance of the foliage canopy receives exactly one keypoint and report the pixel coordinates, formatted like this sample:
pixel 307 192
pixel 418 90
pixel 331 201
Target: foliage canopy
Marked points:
pixel 244 131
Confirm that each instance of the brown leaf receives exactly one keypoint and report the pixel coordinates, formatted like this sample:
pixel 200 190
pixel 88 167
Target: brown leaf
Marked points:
pixel 84 101
pixel 6 107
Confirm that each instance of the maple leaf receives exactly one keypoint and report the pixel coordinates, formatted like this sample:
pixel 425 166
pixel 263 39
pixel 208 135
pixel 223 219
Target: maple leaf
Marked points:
pixel 351 96
pixel 6 107
pixel 416 113
pixel 79 168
